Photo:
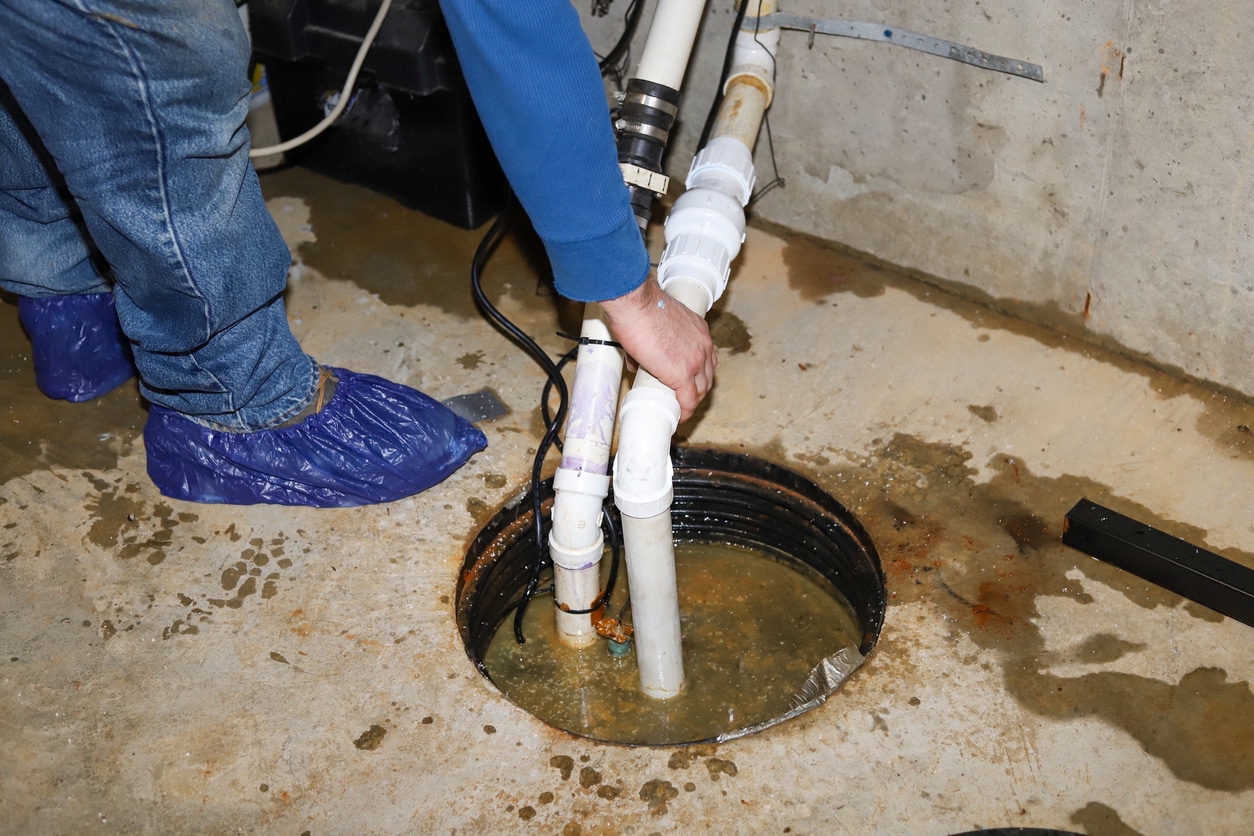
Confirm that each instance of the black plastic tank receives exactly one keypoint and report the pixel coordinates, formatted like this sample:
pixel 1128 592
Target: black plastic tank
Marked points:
pixel 410 130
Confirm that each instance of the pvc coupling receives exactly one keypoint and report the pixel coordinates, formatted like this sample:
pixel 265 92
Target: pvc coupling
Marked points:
pixel 575 538
pixel 644 127
pixel 706 226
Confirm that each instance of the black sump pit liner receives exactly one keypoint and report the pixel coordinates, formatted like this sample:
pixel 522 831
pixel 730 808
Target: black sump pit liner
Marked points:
pixel 720 497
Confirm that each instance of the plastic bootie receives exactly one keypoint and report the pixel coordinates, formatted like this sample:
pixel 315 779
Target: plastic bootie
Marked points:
pixel 374 441
pixel 77 345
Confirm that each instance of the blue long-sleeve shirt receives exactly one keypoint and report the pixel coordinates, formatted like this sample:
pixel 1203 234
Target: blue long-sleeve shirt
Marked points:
pixel 535 82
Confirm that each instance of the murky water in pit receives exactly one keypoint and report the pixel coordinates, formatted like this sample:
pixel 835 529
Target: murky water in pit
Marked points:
pixel 752 630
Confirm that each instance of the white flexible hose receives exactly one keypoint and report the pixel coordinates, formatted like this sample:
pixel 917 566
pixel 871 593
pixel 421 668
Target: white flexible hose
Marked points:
pixel 345 94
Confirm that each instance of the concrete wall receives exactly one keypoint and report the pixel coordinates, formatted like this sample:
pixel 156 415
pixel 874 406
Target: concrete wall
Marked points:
pixel 1120 187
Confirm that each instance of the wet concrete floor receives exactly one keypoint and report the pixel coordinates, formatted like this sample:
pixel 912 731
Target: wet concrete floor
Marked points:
pixel 172 667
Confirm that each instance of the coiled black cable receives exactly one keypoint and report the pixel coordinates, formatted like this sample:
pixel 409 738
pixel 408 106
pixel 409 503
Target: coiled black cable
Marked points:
pixel 552 423
pixel 555 379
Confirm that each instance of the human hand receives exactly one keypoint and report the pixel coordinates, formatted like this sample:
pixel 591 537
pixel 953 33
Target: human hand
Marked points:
pixel 666 339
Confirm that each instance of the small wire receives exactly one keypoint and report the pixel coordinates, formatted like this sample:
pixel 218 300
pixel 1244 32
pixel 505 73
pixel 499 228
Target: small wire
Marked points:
pixel 345 94
pixel 778 182
pixel 618 52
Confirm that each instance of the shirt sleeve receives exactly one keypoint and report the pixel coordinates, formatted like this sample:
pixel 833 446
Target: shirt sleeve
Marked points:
pixel 535 82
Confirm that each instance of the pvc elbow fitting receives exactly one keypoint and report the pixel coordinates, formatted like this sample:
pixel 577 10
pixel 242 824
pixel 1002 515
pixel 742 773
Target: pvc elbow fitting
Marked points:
pixel 643 472
pixel 754 56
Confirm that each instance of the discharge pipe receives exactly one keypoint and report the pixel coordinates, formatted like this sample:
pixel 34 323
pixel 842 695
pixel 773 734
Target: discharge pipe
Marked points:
pixel 703 235
pixel 582 481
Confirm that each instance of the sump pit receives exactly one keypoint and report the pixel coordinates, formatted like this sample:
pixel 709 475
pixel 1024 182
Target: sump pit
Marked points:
pixel 781 596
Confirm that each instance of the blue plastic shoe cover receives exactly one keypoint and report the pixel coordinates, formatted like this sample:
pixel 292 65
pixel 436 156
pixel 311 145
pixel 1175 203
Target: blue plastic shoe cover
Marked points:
pixel 77 346
pixel 374 441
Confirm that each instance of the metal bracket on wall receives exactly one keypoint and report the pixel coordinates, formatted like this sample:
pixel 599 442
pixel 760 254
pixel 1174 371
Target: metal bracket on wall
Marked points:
pixel 897 37
pixel 1159 558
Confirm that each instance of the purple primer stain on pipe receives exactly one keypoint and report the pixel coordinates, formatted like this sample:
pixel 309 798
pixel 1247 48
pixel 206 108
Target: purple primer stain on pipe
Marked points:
pixel 593 402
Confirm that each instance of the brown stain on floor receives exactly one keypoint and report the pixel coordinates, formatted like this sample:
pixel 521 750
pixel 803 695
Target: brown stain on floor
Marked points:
pixel 819 270
pixel 729 332
pixel 404 256
pixel 986 553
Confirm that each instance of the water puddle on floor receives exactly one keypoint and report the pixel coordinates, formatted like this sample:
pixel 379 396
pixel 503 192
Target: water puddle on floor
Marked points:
pixel 753 629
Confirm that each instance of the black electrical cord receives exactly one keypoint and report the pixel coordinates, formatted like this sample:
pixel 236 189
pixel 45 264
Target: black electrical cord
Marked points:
pixel 555 378
pixel 548 391
pixel 631 20
pixel 552 424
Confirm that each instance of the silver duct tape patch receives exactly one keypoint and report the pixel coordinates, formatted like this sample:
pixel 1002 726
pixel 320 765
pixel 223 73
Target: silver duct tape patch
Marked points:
pixel 827 676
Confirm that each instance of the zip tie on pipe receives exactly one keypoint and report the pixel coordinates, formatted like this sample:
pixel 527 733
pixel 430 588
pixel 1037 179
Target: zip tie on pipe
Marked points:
pixel 345 94
pixel 898 37
pixel 588 340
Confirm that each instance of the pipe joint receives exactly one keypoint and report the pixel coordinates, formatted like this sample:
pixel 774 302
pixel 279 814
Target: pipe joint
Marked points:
pixel 644 123
pixel 581 482
pixel 725 164
pixel 704 232
pixel 699 260
pixel 575 536
pixel 576 560
pixel 643 473
pixel 753 60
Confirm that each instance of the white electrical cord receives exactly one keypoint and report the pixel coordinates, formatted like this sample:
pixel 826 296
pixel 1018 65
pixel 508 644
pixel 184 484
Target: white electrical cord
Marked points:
pixel 345 94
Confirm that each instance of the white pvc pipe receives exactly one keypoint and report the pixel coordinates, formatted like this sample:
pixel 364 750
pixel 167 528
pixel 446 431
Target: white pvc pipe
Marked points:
pixel 643 490
pixel 669 43
pixel 704 232
pixel 582 481
pixel 650 549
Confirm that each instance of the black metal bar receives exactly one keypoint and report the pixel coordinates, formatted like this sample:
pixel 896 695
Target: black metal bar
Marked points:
pixel 1159 558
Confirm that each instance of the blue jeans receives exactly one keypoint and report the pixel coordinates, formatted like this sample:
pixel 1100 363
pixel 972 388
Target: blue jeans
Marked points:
pixel 124 164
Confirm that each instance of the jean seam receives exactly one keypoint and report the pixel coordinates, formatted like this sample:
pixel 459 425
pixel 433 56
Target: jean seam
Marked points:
pixel 107 24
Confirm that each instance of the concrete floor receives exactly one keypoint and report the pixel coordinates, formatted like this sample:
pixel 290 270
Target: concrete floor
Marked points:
pixel 171 667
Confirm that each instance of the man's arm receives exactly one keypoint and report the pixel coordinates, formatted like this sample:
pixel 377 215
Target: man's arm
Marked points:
pixel 536 85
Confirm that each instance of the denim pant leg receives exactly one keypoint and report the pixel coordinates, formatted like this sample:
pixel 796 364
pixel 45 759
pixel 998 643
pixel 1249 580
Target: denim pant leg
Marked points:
pixel 44 247
pixel 141 105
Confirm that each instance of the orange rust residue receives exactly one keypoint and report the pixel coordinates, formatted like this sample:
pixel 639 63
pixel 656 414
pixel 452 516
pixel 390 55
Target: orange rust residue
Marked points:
pixel 900 567
pixel 613 629
pixel 750 81
pixel 1088 300
pixel 302 628
pixel 361 641
pixel 1113 59
pixel 991 594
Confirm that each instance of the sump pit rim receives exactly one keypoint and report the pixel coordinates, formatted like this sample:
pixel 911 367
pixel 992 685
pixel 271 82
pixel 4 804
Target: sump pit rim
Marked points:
pixel 498 558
